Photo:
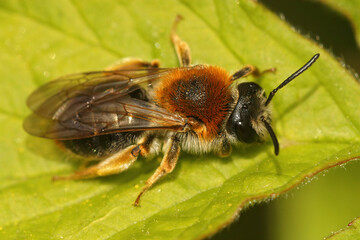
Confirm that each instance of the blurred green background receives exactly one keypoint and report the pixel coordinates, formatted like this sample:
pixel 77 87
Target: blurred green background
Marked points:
pixel 331 200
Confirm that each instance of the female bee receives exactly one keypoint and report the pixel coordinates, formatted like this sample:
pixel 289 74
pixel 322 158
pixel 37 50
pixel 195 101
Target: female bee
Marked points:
pixel 137 108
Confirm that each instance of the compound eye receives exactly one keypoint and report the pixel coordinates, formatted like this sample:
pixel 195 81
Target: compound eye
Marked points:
pixel 242 126
pixel 239 123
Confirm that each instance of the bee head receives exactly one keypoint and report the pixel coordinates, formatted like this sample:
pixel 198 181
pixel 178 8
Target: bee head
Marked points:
pixel 250 118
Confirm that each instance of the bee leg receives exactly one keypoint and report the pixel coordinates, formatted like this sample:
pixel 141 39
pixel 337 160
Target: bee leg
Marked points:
pixel 182 48
pixel 225 149
pixel 250 70
pixel 167 166
pixel 116 163
pixel 133 63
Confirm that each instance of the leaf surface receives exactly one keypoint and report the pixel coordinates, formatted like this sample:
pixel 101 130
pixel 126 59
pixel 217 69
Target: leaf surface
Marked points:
pixel 351 231
pixel 351 10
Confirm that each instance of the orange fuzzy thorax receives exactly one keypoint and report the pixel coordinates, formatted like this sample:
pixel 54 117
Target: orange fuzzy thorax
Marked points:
pixel 201 92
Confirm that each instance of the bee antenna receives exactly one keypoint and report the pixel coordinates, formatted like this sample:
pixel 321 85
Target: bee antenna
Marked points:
pixel 289 79
pixel 273 137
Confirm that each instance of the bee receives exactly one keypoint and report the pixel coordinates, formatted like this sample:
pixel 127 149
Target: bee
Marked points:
pixel 138 109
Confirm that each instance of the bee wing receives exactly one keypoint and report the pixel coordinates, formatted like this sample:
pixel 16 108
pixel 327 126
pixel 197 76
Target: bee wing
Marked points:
pixel 53 97
pixel 90 104
pixel 122 115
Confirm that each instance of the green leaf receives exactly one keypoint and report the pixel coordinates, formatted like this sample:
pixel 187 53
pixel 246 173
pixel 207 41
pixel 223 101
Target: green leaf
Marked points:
pixel 350 9
pixel 352 231
pixel 316 117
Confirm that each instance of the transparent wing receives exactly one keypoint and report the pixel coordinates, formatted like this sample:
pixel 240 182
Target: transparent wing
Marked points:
pixel 52 98
pixel 90 104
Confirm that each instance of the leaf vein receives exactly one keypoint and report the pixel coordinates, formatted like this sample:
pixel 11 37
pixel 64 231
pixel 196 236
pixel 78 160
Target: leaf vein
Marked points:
pixel 59 30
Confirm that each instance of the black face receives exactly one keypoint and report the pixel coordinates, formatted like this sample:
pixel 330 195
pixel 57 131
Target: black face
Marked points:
pixel 246 109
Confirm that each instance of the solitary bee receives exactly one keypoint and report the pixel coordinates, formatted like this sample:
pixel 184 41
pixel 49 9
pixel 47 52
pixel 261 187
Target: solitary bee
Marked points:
pixel 137 108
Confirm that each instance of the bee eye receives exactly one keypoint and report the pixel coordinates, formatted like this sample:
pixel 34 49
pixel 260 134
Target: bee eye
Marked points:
pixel 239 124
pixel 243 129
pixel 240 121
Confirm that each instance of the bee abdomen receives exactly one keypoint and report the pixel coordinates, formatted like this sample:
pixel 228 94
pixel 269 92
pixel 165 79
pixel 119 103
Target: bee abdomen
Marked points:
pixel 102 145
pixel 105 145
